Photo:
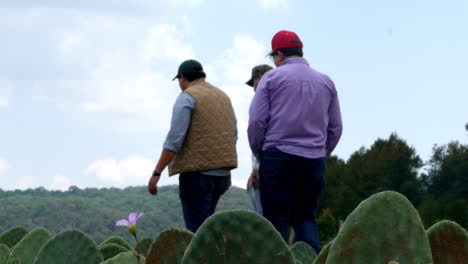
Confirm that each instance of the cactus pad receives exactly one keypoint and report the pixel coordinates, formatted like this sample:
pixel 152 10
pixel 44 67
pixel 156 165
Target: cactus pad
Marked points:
pixel 303 252
pixel 449 243
pixel 12 236
pixel 4 251
pixel 69 247
pixel 124 258
pixel 323 254
pixel 383 228
pixel 169 247
pixel 110 250
pixel 237 236
pixel 117 240
pixel 145 245
pixel 26 249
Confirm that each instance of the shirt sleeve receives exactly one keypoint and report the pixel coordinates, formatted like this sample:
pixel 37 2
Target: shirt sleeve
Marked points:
pixel 235 124
pixel 259 116
pixel 180 122
pixel 335 126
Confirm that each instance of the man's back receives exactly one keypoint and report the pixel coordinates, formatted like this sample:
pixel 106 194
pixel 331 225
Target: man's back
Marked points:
pixel 302 104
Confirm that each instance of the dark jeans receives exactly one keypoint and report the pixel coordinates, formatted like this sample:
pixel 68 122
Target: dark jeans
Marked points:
pixel 290 187
pixel 199 194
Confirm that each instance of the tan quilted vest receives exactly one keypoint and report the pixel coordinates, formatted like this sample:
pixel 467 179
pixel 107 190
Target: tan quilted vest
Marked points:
pixel 210 142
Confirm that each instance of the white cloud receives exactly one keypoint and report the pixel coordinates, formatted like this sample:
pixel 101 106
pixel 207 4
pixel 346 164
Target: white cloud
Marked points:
pixel 4 166
pixel 124 68
pixel 132 171
pixel 60 182
pixel 3 101
pixel 273 4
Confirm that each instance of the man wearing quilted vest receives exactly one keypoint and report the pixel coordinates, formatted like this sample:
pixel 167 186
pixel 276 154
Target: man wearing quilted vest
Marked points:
pixel 200 145
pixel 294 123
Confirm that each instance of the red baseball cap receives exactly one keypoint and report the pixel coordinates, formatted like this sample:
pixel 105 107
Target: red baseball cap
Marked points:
pixel 285 39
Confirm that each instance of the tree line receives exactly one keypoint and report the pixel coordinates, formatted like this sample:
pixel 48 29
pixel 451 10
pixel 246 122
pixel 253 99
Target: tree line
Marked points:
pixel 438 188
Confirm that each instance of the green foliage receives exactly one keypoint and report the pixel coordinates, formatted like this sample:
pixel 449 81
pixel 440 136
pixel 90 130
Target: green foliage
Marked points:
pixel 4 251
pixel 303 252
pixel 237 236
pixel 12 236
pixel 448 170
pixel 69 247
pixel 83 209
pixel 389 164
pixel 328 226
pixel 449 243
pixel 169 247
pixel 383 228
pixel 110 250
pixel 447 181
pixel 339 181
pixel 26 250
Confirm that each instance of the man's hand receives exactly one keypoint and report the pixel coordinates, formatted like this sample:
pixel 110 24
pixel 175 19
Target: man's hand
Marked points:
pixel 249 183
pixel 254 178
pixel 152 185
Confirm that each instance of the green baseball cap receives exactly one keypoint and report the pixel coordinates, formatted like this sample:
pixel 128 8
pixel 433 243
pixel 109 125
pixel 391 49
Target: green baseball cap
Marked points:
pixel 258 71
pixel 189 66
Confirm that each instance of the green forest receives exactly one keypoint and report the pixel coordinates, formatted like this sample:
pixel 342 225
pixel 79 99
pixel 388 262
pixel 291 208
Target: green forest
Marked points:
pixel 438 188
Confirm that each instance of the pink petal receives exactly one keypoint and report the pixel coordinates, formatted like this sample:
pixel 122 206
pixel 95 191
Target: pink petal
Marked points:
pixel 140 215
pixel 121 222
pixel 132 217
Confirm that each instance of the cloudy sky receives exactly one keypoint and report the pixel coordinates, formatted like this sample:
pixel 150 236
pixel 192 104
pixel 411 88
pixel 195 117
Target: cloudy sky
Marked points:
pixel 86 91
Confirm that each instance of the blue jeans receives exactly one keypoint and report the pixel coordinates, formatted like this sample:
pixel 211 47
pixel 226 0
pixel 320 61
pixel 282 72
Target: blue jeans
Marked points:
pixel 290 188
pixel 199 194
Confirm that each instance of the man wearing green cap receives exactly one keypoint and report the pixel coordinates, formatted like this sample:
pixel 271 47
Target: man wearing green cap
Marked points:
pixel 252 183
pixel 200 145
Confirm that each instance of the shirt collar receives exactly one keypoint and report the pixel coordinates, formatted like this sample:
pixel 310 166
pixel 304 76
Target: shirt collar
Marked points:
pixel 295 60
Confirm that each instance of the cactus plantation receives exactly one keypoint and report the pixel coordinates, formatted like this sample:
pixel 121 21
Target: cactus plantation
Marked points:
pixel 385 228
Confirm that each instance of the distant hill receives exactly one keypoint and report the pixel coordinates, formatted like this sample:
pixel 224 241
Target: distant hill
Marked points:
pixel 94 211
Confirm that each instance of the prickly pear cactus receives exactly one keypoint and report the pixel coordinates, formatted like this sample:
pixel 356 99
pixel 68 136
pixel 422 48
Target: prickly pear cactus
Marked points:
pixel 237 236
pixel 303 252
pixel 449 243
pixel 117 240
pixel 323 254
pixel 12 236
pixel 124 258
pixel 4 251
pixel 110 250
pixel 145 245
pixel 69 247
pixel 169 247
pixel 383 228
pixel 26 250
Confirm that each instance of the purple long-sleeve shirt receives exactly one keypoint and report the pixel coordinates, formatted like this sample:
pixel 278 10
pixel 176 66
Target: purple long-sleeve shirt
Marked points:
pixel 296 109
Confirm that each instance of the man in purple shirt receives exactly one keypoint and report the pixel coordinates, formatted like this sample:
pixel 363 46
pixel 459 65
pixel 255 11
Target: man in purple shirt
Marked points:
pixel 294 123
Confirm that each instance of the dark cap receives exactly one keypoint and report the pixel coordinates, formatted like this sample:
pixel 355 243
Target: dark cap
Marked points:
pixel 285 39
pixel 258 71
pixel 189 66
